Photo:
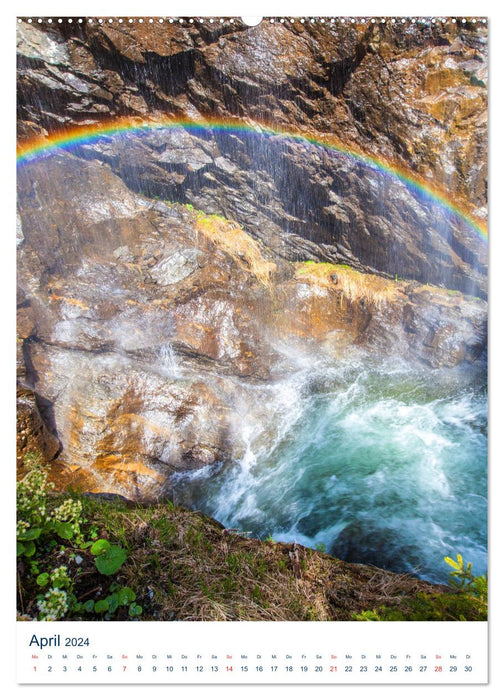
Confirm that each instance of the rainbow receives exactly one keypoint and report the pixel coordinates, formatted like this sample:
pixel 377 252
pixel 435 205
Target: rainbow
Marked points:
pixel 40 147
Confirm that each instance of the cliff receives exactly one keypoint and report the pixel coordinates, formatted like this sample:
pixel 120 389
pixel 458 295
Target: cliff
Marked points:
pixel 410 95
pixel 205 208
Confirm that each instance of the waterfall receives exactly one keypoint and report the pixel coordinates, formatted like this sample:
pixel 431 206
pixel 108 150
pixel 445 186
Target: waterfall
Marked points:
pixel 168 364
pixel 376 464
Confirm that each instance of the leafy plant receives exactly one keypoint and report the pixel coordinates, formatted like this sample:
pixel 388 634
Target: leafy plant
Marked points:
pixel 368 615
pixel 462 576
pixel 109 557
pixel 474 587
pixel 54 604
pixel 37 523
pixel 467 602
pixel 117 598
pixel 47 530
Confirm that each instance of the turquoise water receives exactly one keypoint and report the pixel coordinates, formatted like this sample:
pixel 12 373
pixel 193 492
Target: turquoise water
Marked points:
pixel 382 465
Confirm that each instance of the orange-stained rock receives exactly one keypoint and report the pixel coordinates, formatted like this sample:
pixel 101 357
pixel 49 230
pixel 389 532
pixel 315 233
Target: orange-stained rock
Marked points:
pixel 153 336
pixel 135 389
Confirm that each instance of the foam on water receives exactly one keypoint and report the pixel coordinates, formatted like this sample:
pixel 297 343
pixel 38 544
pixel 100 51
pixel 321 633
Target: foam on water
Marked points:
pixel 168 364
pixel 384 466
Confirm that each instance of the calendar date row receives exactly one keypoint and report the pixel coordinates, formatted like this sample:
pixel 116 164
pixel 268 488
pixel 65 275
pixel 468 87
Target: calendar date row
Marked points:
pixel 266 669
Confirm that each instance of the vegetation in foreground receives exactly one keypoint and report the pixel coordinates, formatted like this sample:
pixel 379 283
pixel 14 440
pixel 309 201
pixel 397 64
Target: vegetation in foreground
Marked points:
pixel 89 558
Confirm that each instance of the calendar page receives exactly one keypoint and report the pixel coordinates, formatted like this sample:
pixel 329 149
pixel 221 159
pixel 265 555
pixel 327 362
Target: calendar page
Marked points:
pixel 252 292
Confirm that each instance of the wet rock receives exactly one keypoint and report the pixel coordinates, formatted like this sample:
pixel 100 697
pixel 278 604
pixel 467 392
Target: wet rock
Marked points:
pixel 139 379
pixel 176 267
pixel 19 230
pixel 45 46
pixel 447 328
pixel 152 336
pixel 410 95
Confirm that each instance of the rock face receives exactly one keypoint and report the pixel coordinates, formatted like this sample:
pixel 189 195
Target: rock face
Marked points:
pixel 414 95
pixel 148 329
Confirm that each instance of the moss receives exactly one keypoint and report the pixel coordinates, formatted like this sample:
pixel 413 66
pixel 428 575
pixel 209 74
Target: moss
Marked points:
pixel 324 267
pixel 230 237
pixel 444 606
pixel 354 285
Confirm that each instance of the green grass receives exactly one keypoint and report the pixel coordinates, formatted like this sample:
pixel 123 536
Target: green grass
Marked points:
pixel 445 606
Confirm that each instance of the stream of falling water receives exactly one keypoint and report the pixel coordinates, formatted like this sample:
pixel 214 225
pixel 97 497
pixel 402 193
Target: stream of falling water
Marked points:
pixel 381 465
pixel 376 464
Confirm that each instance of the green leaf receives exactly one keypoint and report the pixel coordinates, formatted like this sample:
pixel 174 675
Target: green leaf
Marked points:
pixel 99 547
pixel 126 596
pixel 43 579
pixel 89 606
pixel 29 549
pixel 32 534
pixel 111 560
pixel 113 602
pixel 20 548
pixel 101 606
pixel 135 609
pixel 64 530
